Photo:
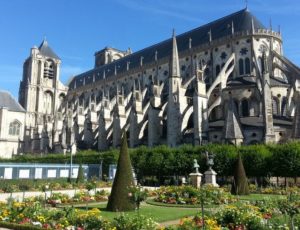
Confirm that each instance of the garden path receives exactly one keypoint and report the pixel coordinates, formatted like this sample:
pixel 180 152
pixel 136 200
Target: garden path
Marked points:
pixel 70 192
pixel 19 195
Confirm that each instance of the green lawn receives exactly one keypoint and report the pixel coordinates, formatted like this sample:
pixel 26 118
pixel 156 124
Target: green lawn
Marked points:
pixel 253 197
pixel 158 213
pixel 165 213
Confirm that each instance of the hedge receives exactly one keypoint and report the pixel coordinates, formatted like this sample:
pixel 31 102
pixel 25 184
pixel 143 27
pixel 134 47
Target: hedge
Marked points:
pixel 161 161
pixel 18 226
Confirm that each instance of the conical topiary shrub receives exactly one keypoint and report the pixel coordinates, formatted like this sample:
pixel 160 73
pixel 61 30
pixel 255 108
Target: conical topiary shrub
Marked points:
pixel 80 175
pixel 119 199
pixel 240 182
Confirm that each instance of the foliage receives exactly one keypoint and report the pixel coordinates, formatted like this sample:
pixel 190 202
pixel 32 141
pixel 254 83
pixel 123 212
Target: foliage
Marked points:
pixel 80 175
pixel 138 222
pixel 190 195
pixel 161 161
pixel 193 223
pixel 240 182
pixel 119 199
pixel 37 185
pixel 137 195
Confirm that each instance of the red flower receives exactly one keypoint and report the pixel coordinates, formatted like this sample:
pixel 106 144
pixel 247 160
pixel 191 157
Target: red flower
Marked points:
pixel 267 216
pixel 25 220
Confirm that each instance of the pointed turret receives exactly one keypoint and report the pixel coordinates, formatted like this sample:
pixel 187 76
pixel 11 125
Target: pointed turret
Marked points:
pixel 174 99
pixel 45 50
pixel 232 129
pixel 174 70
pixel 267 101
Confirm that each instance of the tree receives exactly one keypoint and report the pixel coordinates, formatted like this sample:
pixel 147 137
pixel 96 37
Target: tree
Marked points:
pixel 80 175
pixel 119 199
pixel 240 182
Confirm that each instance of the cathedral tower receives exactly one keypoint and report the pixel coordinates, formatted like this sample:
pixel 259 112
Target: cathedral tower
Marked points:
pixel 41 94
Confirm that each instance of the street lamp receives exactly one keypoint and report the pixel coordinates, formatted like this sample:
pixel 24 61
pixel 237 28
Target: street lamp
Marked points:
pixel 71 163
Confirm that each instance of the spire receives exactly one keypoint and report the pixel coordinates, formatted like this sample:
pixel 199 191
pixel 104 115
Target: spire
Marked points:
pixel 103 75
pixel 141 61
pixel 190 43
pixel 128 63
pixel 232 125
pixel 45 50
pixel 232 27
pixel 175 71
pixel 155 55
pixel 252 25
pixel 209 36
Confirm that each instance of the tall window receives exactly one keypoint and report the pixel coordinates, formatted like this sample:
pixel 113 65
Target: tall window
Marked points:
pixel 241 66
pixel 283 106
pixel 244 66
pixel 245 108
pixel 275 105
pixel 14 128
pixel 48 102
pixel 247 66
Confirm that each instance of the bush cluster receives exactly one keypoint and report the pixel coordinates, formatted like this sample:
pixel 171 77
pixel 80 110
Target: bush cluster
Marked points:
pixel 162 161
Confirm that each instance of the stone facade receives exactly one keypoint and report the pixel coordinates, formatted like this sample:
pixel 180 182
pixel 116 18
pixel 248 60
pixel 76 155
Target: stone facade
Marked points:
pixel 224 82
pixel 12 122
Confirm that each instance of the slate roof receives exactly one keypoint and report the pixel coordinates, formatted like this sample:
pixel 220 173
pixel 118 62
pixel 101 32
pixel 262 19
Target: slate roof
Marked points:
pixel 278 82
pixel 45 50
pixel 7 101
pixel 242 21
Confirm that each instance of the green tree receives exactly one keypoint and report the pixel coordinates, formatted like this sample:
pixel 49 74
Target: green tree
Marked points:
pixel 119 199
pixel 80 175
pixel 240 182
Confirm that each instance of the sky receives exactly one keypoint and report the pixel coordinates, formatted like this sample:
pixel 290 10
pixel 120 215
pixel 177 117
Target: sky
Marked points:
pixel 76 29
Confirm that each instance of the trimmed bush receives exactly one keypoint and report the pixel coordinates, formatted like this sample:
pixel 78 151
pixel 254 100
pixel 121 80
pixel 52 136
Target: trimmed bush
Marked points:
pixel 240 182
pixel 161 163
pixel 80 176
pixel 119 199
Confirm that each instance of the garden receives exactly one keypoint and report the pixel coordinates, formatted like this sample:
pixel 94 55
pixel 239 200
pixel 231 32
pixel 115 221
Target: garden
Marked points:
pixel 236 205
pixel 222 210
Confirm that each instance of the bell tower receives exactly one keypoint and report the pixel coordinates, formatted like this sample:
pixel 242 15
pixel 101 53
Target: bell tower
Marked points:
pixel 41 94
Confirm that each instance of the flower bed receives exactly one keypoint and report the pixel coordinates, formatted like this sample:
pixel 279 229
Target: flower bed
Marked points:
pixel 258 215
pixel 188 195
pixel 80 197
pixel 17 215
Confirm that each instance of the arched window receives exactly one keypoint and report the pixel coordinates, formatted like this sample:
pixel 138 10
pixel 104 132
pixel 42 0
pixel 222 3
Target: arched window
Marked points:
pixel 245 108
pixel 217 70
pixel 247 66
pixel 213 114
pixel 49 69
pixel 241 66
pixel 283 107
pixel 236 104
pixel 206 75
pixel 14 128
pixel 275 106
pixel 48 102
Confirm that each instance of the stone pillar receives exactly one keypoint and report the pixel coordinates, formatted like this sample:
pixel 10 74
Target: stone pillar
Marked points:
pixel 210 178
pixel 196 179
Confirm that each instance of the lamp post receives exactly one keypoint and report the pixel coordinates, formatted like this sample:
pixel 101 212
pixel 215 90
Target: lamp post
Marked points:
pixel 71 163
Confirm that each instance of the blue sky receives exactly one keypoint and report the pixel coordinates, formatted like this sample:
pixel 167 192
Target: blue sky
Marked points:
pixel 76 29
